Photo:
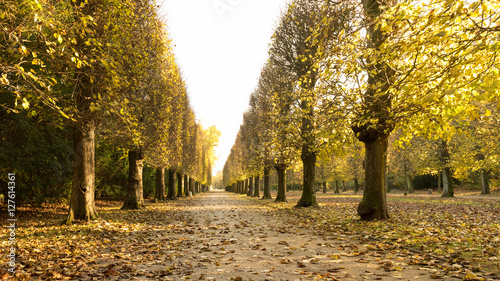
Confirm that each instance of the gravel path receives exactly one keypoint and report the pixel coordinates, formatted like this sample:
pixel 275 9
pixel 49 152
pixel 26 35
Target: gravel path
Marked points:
pixel 231 237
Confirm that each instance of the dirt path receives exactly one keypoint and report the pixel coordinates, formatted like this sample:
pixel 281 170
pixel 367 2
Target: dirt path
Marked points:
pixel 232 238
pixel 219 236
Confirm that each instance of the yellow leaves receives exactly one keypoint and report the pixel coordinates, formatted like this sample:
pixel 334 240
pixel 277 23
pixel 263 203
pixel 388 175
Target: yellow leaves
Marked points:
pixel 472 276
pixel 4 80
pixel 341 33
pixel 58 37
pixel 23 50
pixel 25 104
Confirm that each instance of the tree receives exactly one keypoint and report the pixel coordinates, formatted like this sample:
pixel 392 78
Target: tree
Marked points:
pixel 303 34
pixel 474 148
pixel 417 71
pixel 141 89
pixel 284 152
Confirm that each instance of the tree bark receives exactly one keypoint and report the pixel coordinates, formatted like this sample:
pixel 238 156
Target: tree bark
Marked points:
pixel 267 186
pixel 373 206
pixel 179 184
pixel 281 171
pixel 308 198
pixel 324 187
pixel 191 185
pixel 171 185
pixel 337 186
pixel 186 185
pixel 82 204
pixel 256 190
pixel 440 181
pixel 344 188
pixel 485 182
pixel 448 190
pixel 356 185
pixel 160 185
pixel 135 198
pixel 409 184
pixel 250 186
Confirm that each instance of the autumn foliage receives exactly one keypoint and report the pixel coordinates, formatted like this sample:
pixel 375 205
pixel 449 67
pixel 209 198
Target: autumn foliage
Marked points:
pixel 408 80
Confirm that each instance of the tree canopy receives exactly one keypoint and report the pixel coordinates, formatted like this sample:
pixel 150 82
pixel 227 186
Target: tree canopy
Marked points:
pixel 368 70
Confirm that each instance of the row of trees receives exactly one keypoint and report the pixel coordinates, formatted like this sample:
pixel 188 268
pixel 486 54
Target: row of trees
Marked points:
pixel 341 71
pixel 102 70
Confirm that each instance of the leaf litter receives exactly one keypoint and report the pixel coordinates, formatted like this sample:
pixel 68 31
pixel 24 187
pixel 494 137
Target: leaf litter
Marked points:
pixel 223 236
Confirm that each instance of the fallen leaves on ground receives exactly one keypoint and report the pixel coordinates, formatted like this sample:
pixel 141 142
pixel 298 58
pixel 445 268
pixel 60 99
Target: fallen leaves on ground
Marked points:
pixel 183 239
pixel 453 234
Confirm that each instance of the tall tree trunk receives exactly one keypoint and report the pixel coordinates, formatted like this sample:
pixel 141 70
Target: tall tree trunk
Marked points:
pixel 82 204
pixel 191 185
pixel 309 185
pixel 256 190
pixel 171 185
pixel 448 189
pixel 344 188
pixel 440 181
pixel 324 187
pixel 356 185
pixel 337 186
pixel 267 186
pixel 409 184
pixel 250 186
pixel 406 177
pixel 186 185
pixel 387 183
pixel 377 103
pixel 281 171
pixel 179 184
pixel 160 185
pixel 485 182
pixel 374 202
pixel 135 198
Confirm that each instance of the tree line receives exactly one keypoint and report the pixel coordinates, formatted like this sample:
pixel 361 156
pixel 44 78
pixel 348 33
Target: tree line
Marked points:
pixel 91 81
pixel 346 81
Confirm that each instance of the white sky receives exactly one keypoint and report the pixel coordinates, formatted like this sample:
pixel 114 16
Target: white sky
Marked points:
pixel 221 46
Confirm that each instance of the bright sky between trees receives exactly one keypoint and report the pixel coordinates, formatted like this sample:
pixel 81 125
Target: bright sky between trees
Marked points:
pixel 221 46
